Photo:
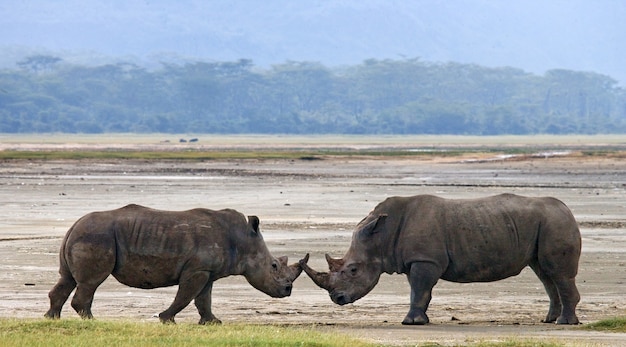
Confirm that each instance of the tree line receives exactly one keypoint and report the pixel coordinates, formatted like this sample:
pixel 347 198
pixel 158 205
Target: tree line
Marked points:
pixel 409 96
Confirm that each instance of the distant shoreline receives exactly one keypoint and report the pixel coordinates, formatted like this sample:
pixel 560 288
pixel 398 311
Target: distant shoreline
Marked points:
pixel 313 141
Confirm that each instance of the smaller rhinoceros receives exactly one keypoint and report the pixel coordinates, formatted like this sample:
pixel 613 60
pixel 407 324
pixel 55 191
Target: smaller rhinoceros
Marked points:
pixel 147 248
pixel 478 240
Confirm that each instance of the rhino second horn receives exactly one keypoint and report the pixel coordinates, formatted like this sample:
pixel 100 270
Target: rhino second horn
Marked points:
pixel 334 264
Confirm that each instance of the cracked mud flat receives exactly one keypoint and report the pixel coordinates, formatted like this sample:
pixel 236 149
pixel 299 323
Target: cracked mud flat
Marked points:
pixel 312 206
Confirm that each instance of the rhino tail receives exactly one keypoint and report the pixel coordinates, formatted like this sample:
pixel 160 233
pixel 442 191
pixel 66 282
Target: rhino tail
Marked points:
pixel 64 268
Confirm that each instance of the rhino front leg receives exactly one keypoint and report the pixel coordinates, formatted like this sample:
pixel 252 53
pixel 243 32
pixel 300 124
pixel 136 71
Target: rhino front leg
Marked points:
pixel 203 304
pixel 189 288
pixel 422 277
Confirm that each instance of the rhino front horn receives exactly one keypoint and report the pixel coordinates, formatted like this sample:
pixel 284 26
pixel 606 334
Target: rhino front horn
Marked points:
pixel 296 268
pixel 322 279
pixel 304 260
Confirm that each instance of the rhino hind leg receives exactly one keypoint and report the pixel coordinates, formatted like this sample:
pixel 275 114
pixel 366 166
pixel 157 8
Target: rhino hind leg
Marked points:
pixel 569 299
pixel 190 286
pixel 422 277
pixel 563 296
pixel 88 278
pixel 58 296
pixel 82 300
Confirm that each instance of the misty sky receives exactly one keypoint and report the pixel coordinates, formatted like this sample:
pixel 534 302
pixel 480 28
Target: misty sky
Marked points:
pixel 535 35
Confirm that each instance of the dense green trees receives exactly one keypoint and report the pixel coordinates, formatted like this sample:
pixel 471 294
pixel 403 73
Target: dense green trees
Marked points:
pixel 45 94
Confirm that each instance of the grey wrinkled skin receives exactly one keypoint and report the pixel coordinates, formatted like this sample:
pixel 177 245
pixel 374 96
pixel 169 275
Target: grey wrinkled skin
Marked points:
pixel 147 248
pixel 477 240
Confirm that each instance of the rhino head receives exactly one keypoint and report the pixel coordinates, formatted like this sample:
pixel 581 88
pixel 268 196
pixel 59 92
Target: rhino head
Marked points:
pixel 357 273
pixel 278 277
pixel 273 276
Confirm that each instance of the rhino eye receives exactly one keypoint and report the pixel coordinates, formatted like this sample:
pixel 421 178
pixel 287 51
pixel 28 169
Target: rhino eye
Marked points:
pixel 352 270
pixel 274 266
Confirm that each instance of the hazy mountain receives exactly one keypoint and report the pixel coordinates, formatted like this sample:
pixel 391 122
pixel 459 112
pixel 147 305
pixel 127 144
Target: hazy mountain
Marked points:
pixel 535 35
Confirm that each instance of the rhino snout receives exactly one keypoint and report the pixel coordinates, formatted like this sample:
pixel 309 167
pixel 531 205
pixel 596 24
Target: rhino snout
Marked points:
pixel 288 289
pixel 340 298
pixel 283 290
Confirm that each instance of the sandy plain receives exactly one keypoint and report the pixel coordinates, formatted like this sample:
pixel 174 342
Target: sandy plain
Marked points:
pixel 311 206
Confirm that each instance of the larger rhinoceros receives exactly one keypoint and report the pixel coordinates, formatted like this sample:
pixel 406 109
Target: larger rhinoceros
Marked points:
pixel 147 248
pixel 479 240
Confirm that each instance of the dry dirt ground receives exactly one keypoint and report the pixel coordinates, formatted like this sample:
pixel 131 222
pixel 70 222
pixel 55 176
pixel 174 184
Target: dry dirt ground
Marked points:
pixel 311 206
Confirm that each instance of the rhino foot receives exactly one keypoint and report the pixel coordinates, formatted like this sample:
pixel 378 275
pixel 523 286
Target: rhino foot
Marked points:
pixel 166 319
pixel 415 317
pixel 53 314
pixel 85 314
pixel 567 320
pixel 211 321
pixel 562 319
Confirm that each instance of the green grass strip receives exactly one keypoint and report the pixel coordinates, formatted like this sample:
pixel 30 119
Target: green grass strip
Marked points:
pixel 95 333
pixel 110 333
pixel 617 324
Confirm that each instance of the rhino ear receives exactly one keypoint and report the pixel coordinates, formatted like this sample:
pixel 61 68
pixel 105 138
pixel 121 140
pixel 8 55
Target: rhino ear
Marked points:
pixel 283 260
pixel 253 222
pixel 375 225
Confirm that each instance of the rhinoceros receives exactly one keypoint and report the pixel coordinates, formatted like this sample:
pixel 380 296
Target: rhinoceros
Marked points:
pixel 477 240
pixel 147 248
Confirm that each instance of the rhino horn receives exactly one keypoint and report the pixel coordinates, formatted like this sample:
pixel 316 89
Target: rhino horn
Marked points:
pixel 304 260
pixel 322 279
pixel 296 268
pixel 334 264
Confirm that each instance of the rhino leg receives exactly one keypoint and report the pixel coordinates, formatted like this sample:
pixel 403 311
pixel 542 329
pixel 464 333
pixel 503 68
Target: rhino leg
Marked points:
pixel 569 299
pixel 88 279
pixel 563 295
pixel 190 286
pixel 85 289
pixel 58 296
pixel 203 304
pixel 553 294
pixel 422 277
pixel 83 298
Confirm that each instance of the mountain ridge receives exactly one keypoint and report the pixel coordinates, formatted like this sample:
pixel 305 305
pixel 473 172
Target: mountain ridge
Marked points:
pixel 534 35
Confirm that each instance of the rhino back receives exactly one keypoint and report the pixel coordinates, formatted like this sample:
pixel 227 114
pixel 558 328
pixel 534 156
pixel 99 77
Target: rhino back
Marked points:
pixel 483 239
pixel 151 247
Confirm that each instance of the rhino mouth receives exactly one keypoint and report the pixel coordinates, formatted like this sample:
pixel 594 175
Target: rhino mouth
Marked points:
pixel 340 298
pixel 282 291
